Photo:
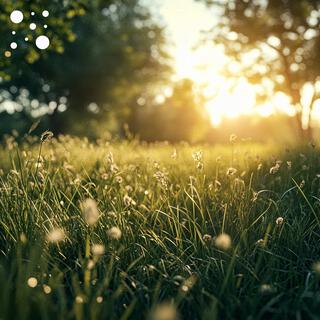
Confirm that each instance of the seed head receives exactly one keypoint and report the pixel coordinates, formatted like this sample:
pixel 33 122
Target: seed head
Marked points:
pixel 32 282
pixel 46 136
pixel 233 138
pixel 90 211
pixel 231 171
pixel 56 235
pixel 98 250
pixel 46 289
pixel 279 221
pixel 207 238
pixel 164 311
pixel 114 233
pixel 223 242
pixel 266 289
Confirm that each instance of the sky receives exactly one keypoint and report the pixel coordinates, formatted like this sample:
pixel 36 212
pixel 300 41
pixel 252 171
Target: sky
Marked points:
pixel 185 19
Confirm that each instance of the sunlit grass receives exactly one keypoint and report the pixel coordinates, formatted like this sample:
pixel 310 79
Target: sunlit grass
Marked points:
pixel 207 232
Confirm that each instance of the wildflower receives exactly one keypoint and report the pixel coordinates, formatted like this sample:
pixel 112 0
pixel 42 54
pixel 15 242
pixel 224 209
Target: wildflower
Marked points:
pixel 128 188
pixel 231 171
pixel 32 282
pixel 119 179
pixel 188 283
pixel 199 166
pixel 79 300
pixel 164 311
pixel 274 169
pixel 46 289
pixel 104 176
pixel 260 243
pixel 128 201
pixel 174 154
pixel 98 249
pixel 207 238
pixel 266 289
pixel 197 156
pixel 56 235
pixel 90 264
pixel 90 211
pixel 161 178
pixel 110 158
pixel 233 138
pixel 289 164
pixel 112 214
pixel 99 299
pixel 223 242
pixel 114 233
pixel 46 136
pixel 279 221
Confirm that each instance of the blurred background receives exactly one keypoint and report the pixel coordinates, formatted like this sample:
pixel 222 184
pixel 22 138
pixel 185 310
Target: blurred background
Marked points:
pixel 171 70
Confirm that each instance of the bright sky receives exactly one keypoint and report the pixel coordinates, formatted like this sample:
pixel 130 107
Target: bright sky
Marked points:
pixel 185 19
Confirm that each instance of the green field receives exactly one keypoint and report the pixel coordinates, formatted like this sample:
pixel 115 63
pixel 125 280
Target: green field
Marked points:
pixel 171 232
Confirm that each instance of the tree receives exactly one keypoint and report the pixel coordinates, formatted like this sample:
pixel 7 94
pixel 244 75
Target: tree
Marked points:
pixel 180 117
pixel 281 38
pixel 117 55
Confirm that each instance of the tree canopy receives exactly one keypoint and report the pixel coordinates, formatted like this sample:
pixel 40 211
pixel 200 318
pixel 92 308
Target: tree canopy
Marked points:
pixel 103 56
pixel 277 43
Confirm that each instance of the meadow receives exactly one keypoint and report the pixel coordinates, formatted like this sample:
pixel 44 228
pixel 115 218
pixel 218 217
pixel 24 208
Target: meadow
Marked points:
pixel 125 230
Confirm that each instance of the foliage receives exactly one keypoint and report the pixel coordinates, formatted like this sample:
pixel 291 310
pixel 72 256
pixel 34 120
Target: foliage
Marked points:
pixel 62 14
pixel 170 202
pixel 181 117
pixel 115 56
pixel 276 42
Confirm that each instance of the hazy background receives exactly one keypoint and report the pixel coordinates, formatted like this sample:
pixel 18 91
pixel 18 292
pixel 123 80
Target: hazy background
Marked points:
pixel 171 70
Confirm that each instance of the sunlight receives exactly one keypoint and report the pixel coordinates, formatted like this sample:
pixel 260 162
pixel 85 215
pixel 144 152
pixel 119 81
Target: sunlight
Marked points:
pixel 205 65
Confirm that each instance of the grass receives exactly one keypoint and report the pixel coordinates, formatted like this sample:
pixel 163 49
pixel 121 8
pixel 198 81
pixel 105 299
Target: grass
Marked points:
pixel 171 204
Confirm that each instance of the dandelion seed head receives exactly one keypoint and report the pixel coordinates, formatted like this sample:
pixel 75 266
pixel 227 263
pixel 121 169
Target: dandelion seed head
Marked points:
pixel 98 250
pixel 223 242
pixel 32 282
pixel 46 289
pixel 164 311
pixel 79 300
pixel 128 201
pixel 266 289
pixel 231 171
pixel 279 221
pixel 46 136
pixel 99 299
pixel 114 233
pixel 261 243
pixel 90 211
pixel 197 156
pixel 207 238
pixel 56 235
pixel 91 264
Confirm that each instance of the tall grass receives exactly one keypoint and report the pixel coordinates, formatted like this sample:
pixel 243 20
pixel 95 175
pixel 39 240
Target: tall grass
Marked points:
pixel 176 208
